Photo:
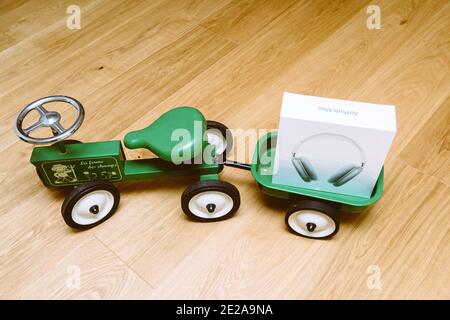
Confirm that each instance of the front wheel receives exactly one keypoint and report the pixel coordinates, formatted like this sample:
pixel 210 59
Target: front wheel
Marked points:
pixel 210 200
pixel 90 204
pixel 313 219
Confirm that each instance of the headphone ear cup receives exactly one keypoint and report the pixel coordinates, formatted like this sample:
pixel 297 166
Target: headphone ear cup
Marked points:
pixel 300 169
pixel 309 168
pixel 304 169
pixel 344 175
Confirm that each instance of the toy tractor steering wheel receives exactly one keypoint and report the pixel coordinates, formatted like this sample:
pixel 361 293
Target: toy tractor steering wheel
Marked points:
pixel 50 119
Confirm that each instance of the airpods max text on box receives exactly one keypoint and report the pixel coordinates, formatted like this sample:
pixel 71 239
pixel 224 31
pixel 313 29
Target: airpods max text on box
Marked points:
pixel 332 145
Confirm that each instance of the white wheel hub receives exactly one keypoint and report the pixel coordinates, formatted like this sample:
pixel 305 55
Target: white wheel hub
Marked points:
pixel 210 204
pixel 312 223
pixel 92 207
pixel 216 139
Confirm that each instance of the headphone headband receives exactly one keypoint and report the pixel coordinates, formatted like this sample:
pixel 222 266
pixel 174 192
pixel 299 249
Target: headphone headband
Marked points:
pixel 333 135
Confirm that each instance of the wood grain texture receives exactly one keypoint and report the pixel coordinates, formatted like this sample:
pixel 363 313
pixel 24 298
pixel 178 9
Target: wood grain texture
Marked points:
pixel 428 150
pixel 133 60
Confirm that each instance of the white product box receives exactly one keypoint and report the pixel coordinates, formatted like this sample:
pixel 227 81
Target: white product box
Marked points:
pixel 332 145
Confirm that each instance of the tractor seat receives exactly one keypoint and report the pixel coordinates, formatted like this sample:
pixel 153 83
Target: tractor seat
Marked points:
pixel 178 132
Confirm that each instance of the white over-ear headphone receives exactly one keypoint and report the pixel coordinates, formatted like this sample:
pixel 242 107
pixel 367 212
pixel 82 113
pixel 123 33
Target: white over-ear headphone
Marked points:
pixel 342 176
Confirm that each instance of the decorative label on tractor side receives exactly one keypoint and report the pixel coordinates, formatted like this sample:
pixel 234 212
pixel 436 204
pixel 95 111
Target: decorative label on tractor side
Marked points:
pixel 74 172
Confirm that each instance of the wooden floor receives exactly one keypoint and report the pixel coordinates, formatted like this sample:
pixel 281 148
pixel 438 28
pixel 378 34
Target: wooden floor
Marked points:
pixel 133 60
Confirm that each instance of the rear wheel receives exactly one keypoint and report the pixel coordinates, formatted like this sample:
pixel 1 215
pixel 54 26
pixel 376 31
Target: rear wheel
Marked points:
pixel 210 200
pixel 220 137
pixel 90 204
pixel 313 219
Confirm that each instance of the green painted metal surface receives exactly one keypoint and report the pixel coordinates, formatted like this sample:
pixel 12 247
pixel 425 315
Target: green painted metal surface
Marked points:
pixel 209 177
pixel 80 163
pixel 177 135
pixel 157 168
pixel 83 162
pixel 262 167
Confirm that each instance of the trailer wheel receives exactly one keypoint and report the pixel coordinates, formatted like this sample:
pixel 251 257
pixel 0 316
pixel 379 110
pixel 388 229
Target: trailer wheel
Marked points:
pixel 220 137
pixel 90 204
pixel 210 200
pixel 313 219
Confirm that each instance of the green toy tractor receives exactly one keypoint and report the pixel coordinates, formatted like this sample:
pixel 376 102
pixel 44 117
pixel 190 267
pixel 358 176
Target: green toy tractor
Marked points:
pixel 184 142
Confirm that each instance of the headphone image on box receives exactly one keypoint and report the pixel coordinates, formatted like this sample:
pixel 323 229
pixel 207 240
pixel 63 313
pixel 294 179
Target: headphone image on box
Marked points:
pixel 306 171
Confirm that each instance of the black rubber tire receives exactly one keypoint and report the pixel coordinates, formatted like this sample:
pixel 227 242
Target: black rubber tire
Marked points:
pixel 82 190
pixel 226 133
pixel 210 185
pixel 317 205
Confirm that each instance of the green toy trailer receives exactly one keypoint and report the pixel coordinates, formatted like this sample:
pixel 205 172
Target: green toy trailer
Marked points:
pixel 311 213
pixel 185 143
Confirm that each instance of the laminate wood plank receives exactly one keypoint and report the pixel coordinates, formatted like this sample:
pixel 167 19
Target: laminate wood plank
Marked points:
pixel 8 5
pixel 153 80
pixel 239 21
pixel 428 150
pixel 20 19
pixel 100 19
pixel 26 60
pixel 88 271
pixel 430 286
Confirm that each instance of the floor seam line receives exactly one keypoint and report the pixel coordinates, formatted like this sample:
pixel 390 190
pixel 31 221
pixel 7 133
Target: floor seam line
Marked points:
pixel 123 261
